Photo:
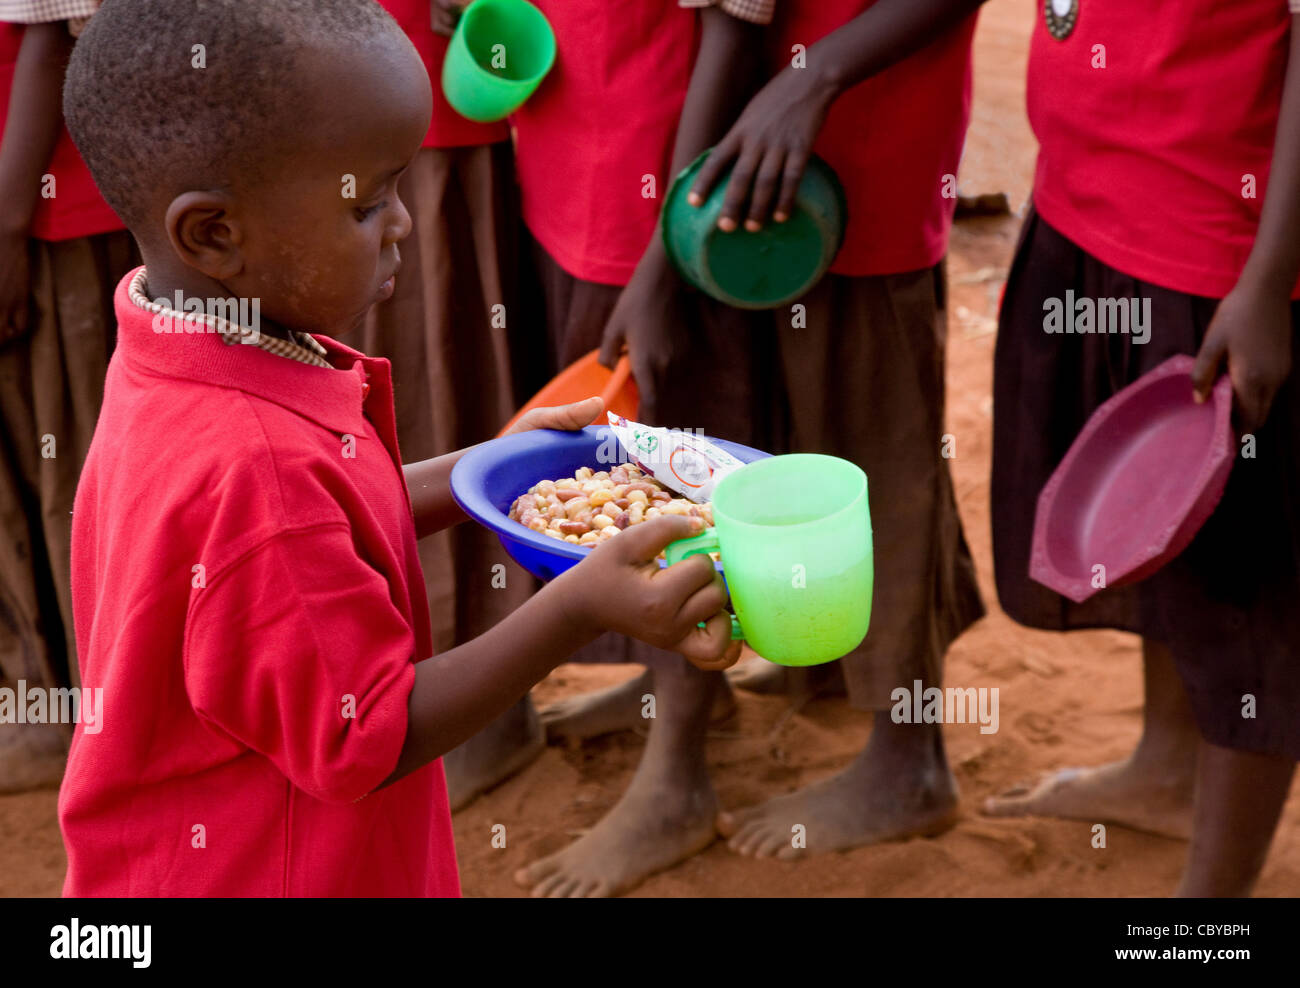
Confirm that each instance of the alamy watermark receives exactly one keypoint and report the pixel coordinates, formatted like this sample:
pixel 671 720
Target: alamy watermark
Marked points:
pixel 953 705
pixel 235 318
pixel 1098 315
pixel 39 705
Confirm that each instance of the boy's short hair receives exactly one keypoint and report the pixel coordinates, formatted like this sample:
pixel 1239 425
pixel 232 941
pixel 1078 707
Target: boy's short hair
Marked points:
pixel 153 114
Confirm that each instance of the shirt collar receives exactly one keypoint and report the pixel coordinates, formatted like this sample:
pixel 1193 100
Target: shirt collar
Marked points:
pixel 165 343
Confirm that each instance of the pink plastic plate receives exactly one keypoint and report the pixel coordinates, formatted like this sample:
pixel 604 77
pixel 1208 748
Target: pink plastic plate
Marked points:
pixel 1140 480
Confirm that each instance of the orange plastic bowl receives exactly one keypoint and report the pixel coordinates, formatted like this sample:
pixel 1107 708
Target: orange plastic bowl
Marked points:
pixel 582 379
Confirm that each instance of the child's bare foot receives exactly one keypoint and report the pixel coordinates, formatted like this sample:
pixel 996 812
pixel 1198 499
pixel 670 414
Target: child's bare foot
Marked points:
pixel 1151 790
pixel 616 708
pixel 660 821
pixel 32 756
pixel 757 675
pixel 900 786
pixel 497 752
pixel 1128 793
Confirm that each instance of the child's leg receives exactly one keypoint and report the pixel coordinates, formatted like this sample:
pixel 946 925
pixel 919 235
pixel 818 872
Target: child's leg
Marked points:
pixel 864 380
pixel 1239 797
pixel 667 813
pixel 1150 790
pixel 616 708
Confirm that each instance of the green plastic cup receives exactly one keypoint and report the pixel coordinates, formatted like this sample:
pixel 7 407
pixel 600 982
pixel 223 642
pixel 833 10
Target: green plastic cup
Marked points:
pixel 764 269
pixel 500 52
pixel 795 537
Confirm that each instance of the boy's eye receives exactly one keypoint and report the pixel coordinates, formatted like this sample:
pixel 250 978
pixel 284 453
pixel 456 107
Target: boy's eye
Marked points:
pixel 365 212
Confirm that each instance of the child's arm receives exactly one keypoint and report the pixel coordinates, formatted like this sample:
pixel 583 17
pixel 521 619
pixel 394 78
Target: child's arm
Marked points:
pixel 619 587
pixel 771 142
pixel 726 72
pixel 1252 325
pixel 429 481
pixel 30 134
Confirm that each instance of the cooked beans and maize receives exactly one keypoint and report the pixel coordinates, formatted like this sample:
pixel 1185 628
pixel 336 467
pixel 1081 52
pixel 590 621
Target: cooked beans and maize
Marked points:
pixel 592 506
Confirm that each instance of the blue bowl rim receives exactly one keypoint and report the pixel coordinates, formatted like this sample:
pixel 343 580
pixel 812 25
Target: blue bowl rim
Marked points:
pixel 466 482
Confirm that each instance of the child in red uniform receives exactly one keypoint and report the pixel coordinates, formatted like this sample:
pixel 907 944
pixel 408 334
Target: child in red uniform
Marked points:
pixel 449 330
pixel 1169 171
pixel 62 251
pixel 860 375
pixel 246 582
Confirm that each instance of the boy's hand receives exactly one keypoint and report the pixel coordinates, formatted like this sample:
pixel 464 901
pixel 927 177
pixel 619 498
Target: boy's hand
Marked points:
pixel 621 587
pixel 443 15
pixel 770 145
pixel 1252 329
pixel 647 321
pixel 571 417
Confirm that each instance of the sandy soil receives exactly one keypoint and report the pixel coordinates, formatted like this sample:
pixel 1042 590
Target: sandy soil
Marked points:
pixel 1065 700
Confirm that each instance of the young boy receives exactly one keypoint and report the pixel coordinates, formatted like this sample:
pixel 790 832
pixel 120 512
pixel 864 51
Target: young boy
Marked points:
pixel 246 582
pixel 1188 197
pixel 62 251
pixel 862 378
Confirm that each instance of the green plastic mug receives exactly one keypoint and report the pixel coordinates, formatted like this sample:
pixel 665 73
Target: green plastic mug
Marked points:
pixel 500 52
pixel 795 537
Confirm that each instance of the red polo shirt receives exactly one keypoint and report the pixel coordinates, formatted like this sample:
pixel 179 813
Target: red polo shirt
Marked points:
pixel 1156 124
pixel 246 591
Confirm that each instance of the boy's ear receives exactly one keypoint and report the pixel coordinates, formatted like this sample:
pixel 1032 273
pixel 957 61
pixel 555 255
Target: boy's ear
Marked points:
pixel 205 234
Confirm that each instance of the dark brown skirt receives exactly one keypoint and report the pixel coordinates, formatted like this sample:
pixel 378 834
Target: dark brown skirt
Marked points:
pixel 861 376
pixel 51 384
pixel 453 378
pixel 1229 606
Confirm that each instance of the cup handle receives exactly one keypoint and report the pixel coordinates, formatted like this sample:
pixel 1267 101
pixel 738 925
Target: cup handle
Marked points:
pixel 705 542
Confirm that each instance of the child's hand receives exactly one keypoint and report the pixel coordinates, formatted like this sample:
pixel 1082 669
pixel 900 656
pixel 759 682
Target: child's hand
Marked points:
pixel 647 321
pixel 444 14
pixel 621 587
pixel 571 417
pixel 1252 329
pixel 770 145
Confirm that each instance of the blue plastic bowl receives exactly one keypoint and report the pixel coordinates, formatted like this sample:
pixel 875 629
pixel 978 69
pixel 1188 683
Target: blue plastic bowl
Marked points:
pixel 486 481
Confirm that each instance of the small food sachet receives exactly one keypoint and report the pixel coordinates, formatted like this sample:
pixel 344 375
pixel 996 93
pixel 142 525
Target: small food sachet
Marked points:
pixel 682 461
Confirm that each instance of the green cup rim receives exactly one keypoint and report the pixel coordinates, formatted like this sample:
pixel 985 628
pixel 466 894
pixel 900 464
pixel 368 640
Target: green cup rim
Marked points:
pixel 861 493
pixel 484 73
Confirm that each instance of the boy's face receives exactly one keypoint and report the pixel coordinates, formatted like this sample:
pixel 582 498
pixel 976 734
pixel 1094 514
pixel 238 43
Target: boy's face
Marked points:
pixel 320 231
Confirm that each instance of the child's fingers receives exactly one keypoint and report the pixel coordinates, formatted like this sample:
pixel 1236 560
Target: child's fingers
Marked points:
pixel 710 648
pixel 705 602
pixel 613 343
pixel 714 165
pixel 682 581
pixel 642 543
pixel 738 188
pixel 1206 368
pixel 795 163
pixel 765 187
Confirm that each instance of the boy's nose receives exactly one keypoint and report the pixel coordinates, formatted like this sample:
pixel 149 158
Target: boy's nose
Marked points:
pixel 400 228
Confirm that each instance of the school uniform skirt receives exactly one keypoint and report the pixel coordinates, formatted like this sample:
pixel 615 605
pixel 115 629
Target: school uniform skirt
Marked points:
pixel 1229 606
pixel 453 380
pixel 51 388
pixel 860 375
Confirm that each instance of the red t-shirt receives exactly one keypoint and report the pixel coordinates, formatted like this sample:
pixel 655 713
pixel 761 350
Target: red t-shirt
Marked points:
pixel 250 600
pixel 76 209
pixel 600 122
pixel 448 128
pixel 891 140
pixel 1142 163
